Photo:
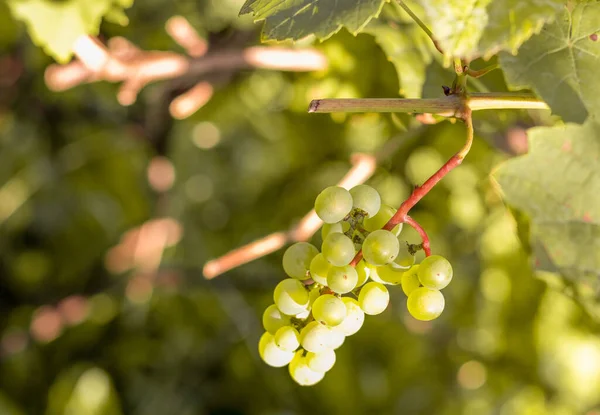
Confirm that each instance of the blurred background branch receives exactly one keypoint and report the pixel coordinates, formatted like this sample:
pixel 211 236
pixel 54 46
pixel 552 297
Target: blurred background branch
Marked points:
pixel 122 61
pixel 363 166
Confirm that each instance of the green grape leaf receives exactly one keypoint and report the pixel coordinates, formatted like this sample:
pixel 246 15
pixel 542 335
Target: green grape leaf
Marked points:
pixel 512 22
pixel 406 46
pixel 557 185
pixel 55 25
pixel 474 28
pixel 296 19
pixel 561 63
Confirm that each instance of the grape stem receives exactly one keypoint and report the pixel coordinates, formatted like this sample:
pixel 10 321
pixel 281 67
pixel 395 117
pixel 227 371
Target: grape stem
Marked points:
pixel 449 106
pixel 413 223
pixel 401 215
pixel 420 23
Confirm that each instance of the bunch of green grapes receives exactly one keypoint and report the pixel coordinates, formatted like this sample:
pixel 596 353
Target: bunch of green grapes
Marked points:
pixel 327 295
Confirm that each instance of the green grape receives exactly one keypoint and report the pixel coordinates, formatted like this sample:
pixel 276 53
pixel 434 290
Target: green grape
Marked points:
pixel 405 259
pixel 319 267
pixel 390 275
pixel 425 304
pixel 342 280
pixel 363 273
pixel 321 362
pixel 338 227
pixel 313 293
pixel 287 338
pixel 315 337
pixel 435 272
pixel 301 373
pixel 329 310
pixel 336 337
pixel 366 199
pixel 291 297
pixel 380 219
pixel 297 258
pixel 373 298
pixel 271 354
pixel 303 315
pixel 373 274
pixel 273 319
pixel 355 317
pixel 333 204
pixel 410 280
pixel 380 247
pixel 338 249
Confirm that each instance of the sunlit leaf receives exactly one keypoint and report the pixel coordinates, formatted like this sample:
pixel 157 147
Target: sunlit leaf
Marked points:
pixel 557 184
pixel 561 63
pixel 474 28
pixel 296 19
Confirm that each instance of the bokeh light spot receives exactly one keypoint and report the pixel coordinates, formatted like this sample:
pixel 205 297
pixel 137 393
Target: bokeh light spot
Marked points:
pixel 471 375
pixel 206 135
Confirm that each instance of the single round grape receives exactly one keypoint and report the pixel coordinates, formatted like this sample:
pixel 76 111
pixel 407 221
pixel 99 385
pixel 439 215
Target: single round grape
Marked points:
pixel 296 260
pixel 410 280
pixel 315 337
pixel 342 280
pixel 390 275
pixel 380 219
pixel 333 204
pixel 338 249
pixel 336 338
pixel 435 272
pixel 320 362
pixel 366 199
pixel 380 247
pixel 405 259
pixel 362 272
pixel 329 310
pixel 301 373
pixel 355 317
pixel 373 298
pixel 338 227
pixel 291 297
pixel 287 338
pixel 425 304
pixel 319 267
pixel 273 319
pixel 271 354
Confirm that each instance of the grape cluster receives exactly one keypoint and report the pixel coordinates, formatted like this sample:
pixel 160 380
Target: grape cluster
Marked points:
pixel 311 317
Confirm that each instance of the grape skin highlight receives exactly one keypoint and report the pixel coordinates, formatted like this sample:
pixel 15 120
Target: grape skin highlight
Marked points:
pixel 329 310
pixel 338 249
pixel 425 304
pixel 273 319
pixel 271 354
pixel 373 298
pixel 410 280
pixel 297 258
pixel 380 247
pixel 366 199
pixel 435 272
pixel 355 317
pixel 291 297
pixel 333 204
pixel 319 267
pixel 315 337
pixel 342 280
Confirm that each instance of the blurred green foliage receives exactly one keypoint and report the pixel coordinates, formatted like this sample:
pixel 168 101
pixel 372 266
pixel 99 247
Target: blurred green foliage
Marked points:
pixel 87 331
